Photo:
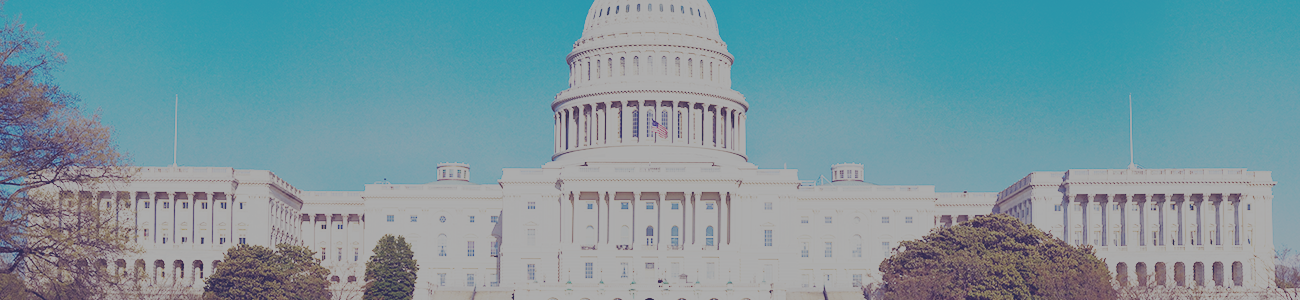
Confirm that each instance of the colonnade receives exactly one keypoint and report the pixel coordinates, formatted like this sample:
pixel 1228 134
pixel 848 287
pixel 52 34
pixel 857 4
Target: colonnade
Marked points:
pixel 1182 274
pixel 650 122
pixel 650 64
pixel 646 220
pixel 1193 219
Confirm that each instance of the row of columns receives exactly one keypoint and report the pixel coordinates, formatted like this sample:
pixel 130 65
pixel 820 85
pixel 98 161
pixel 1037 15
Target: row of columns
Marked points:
pixel 1158 219
pixel 691 210
pixel 1213 274
pixel 162 272
pixel 595 68
pixel 632 122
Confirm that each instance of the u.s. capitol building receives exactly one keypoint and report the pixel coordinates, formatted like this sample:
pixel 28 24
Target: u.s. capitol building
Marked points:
pixel 650 195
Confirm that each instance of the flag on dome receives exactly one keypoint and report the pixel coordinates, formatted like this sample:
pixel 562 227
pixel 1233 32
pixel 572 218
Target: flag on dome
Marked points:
pixel 660 129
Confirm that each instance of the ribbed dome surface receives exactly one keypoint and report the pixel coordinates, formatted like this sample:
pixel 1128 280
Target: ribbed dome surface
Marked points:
pixel 690 17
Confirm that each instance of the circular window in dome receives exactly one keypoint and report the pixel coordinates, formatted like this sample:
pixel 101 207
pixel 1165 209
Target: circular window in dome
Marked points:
pixel 442 219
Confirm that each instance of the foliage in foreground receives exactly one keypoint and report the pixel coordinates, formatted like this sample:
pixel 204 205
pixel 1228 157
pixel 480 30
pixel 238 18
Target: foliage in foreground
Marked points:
pixel 390 273
pixel 994 257
pixel 54 233
pixel 256 272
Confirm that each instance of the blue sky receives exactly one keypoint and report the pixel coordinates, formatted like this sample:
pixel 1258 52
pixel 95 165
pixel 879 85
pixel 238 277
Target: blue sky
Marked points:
pixel 964 95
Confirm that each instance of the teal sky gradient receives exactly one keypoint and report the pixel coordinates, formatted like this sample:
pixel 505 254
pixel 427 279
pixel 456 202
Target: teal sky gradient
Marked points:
pixel 964 95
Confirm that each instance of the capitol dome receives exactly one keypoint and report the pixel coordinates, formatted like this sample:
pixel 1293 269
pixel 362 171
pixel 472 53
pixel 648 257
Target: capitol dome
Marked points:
pixel 650 81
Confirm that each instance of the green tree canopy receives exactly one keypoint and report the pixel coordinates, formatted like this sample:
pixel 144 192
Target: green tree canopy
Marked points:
pixel 256 272
pixel 994 257
pixel 390 273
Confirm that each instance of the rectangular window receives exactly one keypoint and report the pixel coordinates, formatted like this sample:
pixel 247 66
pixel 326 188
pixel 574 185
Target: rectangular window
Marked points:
pixel 1247 206
pixel 223 205
pixel 708 241
pixel 203 205
pixel 857 252
pixel 803 220
pixel 591 206
pixel 1114 207
pixel 708 206
pixel 415 218
pixel 442 278
pixel 884 220
pixel 709 270
pixel 164 240
pixel 907 220
pixel 185 205
pixel 589 271
pixel 146 205
pixel 857 280
pixel 390 218
pixel 532 205
pixel 167 205
pixel 340 226
pixel 828 250
pixel 203 241
pixel 1057 207
pixel 494 219
pixel 884 248
pixel 340 254
pixel 146 232
pixel 322 226
pixel 532 237
pixel 532 272
pixel 470 247
pixel 494 248
pixel 221 241
pixel 649 266
pixel 675 206
pixel 623 205
pixel 804 251
pixel 356 254
pixel 828 220
pixel 241 205
pixel 469 279
pixel 767 205
pixel 767 238
pixel 624 265
pixel 185 240
pixel 649 205
pixel 243 241
pixel 471 219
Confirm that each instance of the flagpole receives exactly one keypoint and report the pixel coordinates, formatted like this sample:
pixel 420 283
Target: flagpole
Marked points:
pixel 1131 166
pixel 176 109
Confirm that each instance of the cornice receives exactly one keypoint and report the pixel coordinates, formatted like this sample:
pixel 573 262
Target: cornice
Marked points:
pixel 1155 182
pixel 964 204
pixel 572 55
pixel 560 102
pixel 863 198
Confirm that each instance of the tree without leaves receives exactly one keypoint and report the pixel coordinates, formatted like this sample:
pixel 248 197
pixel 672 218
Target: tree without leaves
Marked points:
pixel 994 257
pixel 256 272
pixel 390 273
pixel 53 231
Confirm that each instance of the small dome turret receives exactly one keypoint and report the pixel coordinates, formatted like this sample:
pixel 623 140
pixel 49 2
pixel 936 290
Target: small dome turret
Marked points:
pixel 846 172
pixel 453 172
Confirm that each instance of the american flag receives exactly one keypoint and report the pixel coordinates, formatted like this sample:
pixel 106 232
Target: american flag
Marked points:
pixel 660 129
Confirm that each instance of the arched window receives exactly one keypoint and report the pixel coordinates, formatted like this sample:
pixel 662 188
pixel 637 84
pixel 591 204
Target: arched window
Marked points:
pixel 638 8
pixel 590 235
pixel 690 67
pixel 664 60
pixel 622 66
pixel 636 63
pixel 442 245
pixel 679 66
pixel 661 8
pixel 708 231
pixel 636 123
pixel 679 125
pixel 611 66
pixel 616 9
pixel 674 231
pixel 672 8
pixel 598 69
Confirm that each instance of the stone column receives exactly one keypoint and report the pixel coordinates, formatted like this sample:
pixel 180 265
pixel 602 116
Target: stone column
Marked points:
pixel 659 220
pixel 625 123
pixel 637 234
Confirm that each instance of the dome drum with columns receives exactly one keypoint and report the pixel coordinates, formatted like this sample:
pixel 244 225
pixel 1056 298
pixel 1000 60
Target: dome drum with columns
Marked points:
pixel 650 82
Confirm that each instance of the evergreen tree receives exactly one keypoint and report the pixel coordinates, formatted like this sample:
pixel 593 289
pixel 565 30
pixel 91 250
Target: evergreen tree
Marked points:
pixel 994 257
pixel 256 272
pixel 390 273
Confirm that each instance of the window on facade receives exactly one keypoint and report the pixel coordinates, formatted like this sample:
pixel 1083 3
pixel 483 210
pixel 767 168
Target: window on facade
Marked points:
pixel 828 220
pixel 591 205
pixel 803 220
pixel 1247 206
pixel 532 237
pixel 884 247
pixel 167 205
pixel 532 205
pixel 767 205
pixel 857 280
pixel 414 218
pixel 494 219
pixel 532 272
pixel 649 266
pixel 187 240
pixel 164 240
pixel 322 226
pixel 828 250
pixel 636 123
pixel 469 279
pixel 623 205
pixel 471 219
pixel 241 205
pixel 442 278
pixel 1114 207
pixel 340 226
pixel 203 205
pixel 804 252
pixel 708 206
pixel 340 254
pixel 907 220
pixel 221 241
pixel 649 205
pixel 470 248
pixel 390 218
pixel 624 274
pixel 442 245
pixel 767 238
pixel 356 254
pixel 496 249
pixel 589 270
pixel 223 205
pixel 675 206
pixel 884 220
pixel 243 241
pixel 203 240
pixel 185 205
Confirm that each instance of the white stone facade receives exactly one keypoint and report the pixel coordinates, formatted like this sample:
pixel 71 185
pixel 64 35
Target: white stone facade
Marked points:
pixel 650 195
